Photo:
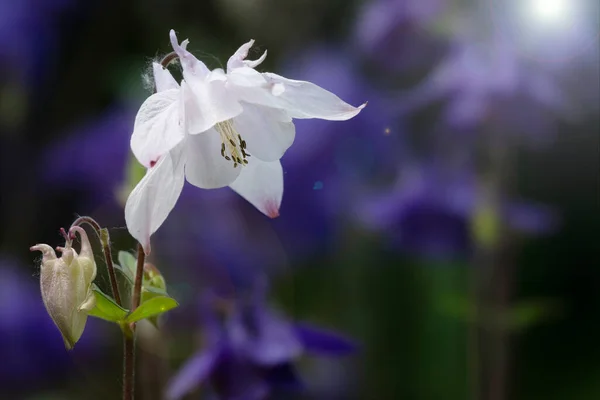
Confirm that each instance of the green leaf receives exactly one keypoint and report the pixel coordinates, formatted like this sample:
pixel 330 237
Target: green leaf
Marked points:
pixel 153 307
pixel 149 292
pixel 128 264
pixel 106 308
pixel 125 273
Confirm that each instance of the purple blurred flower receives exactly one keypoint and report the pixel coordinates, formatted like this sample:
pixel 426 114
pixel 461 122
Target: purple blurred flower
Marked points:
pixel 430 212
pixel 393 32
pixel 250 351
pixel 486 82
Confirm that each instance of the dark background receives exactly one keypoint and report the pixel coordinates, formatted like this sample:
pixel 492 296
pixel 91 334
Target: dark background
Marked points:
pixel 387 225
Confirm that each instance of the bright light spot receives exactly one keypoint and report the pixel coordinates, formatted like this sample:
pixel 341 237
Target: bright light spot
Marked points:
pixel 552 12
pixel 549 9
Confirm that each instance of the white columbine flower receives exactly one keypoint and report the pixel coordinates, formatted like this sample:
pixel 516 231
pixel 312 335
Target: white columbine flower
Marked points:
pixel 218 129
pixel 66 285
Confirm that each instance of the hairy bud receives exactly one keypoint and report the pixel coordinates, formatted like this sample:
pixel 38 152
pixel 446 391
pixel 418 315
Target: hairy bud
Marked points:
pixel 65 284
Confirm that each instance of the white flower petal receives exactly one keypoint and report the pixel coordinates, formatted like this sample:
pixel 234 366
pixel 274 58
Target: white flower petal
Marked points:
pixel 207 102
pixel 157 128
pixel 256 63
pixel 303 99
pixel 252 87
pixel 306 100
pixel 300 99
pixel 217 74
pixel 237 59
pixel 154 197
pixel 268 132
pixel 246 77
pixel 190 64
pixel 261 184
pixel 163 80
pixel 205 167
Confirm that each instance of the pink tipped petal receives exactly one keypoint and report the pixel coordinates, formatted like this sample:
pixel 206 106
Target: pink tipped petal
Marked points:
pixel 154 197
pixel 163 80
pixel 303 99
pixel 268 132
pixel 237 59
pixel 261 184
pixel 205 167
pixel 207 102
pixel 190 64
pixel 157 128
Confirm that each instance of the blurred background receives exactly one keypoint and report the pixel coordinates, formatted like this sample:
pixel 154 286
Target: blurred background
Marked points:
pixel 451 230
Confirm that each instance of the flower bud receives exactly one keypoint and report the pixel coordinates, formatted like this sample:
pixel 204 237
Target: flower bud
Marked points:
pixel 65 284
pixel 153 277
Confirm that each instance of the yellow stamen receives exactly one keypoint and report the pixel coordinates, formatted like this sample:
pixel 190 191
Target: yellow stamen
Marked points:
pixel 233 147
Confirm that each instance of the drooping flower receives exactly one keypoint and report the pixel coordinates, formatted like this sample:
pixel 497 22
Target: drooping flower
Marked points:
pixel 65 284
pixel 218 129
pixel 251 351
pixel 345 158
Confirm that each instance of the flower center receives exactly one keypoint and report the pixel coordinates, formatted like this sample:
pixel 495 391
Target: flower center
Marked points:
pixel 233 147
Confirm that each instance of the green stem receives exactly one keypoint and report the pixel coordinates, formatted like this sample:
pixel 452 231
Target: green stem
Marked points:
pixel 139 274
pixel 129 331
pixel 128 364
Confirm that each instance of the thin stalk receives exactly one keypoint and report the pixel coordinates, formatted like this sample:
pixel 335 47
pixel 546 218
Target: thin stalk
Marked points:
pixel 502 270
pixel 128 365
pixel 105 241
pixel 139 274
pixel 492 281
pixel 129 331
